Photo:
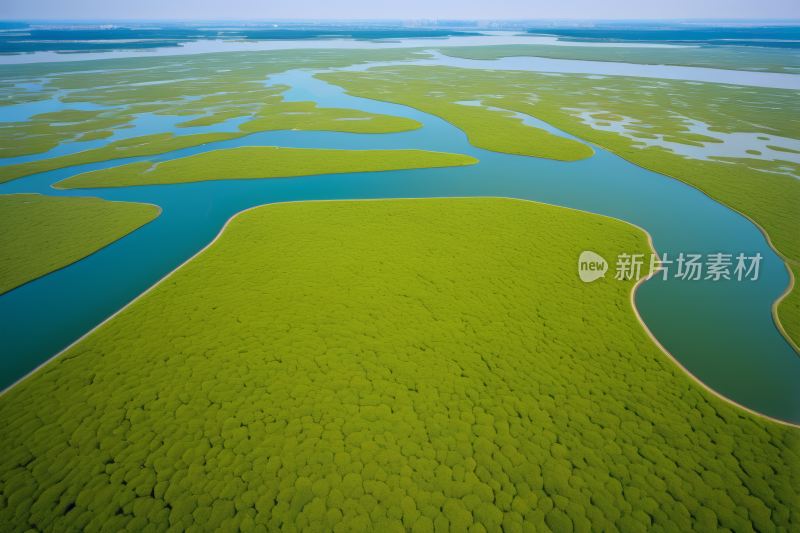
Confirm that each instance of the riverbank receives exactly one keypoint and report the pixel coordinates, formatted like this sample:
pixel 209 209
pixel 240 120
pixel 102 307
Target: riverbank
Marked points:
pixel 257 162
pixel 42 234
pixel 395 339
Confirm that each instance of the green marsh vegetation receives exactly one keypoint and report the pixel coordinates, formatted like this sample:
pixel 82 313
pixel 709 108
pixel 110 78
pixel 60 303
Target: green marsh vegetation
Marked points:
pixel 217 86
pixel 40 234
pixel 119 71
pixel 94 136
pixel 68 115
pixel 109 40
pixel 46 131
pixel 766 191
pixel 730 58
pixel 401 365
pixel 498 131
pixel 223 85
pixel 175 92
pixel 307 116
pixel 271 113
pixel 170 78
pixel 252 162
pixel 10 94
pixel 781 149
pixel 789 308
pixel 154 144
pixel 249 100
pixel 214 118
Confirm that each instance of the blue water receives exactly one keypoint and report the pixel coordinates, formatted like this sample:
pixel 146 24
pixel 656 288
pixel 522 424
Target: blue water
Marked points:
pixel 722 332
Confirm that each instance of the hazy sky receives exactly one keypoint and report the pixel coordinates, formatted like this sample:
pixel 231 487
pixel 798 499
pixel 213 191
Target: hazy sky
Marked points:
pixel 405 9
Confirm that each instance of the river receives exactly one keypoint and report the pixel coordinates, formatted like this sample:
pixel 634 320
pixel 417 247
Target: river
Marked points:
pixel 722 332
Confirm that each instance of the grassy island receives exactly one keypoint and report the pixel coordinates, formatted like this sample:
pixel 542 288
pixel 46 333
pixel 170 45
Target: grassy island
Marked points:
pixel 388 366
pixel 158 143
pixel 40 234
pixel 251 162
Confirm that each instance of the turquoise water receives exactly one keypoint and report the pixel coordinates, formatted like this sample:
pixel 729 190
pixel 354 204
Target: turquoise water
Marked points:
pixel 722 332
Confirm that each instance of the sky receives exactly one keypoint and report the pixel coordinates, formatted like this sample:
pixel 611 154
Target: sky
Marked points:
pixel 407 9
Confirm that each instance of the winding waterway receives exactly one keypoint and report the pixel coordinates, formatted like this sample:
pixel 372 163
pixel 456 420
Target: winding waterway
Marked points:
pixel 721 331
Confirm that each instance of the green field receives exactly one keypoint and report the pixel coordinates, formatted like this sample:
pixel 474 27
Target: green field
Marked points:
pixel 251 162
pixel 748 185
pixel 40 234
pixel 388 366
pixel 731 58
pixel 157 143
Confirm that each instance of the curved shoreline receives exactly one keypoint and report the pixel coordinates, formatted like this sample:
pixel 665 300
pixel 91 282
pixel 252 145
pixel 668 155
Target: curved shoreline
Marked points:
pixel 686 370
pixel 774 309
pixel 158 214
pixel 224 227
pixel 473 161
pixel 784 258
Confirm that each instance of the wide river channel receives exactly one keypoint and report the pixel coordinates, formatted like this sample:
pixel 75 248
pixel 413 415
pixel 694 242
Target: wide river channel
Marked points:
pixel 721 331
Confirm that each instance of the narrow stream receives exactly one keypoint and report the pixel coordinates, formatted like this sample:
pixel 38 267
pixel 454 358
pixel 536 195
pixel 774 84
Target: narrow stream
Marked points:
pixel 721 331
